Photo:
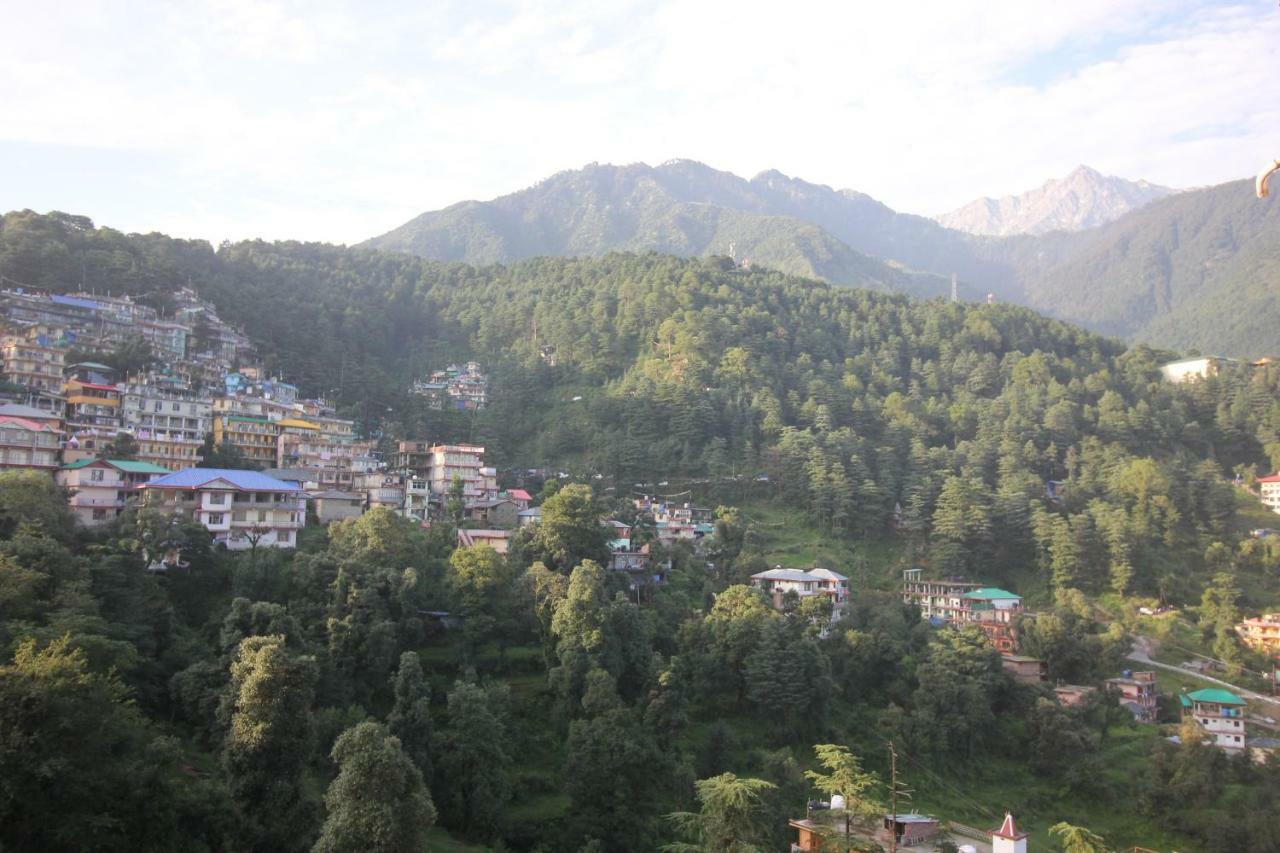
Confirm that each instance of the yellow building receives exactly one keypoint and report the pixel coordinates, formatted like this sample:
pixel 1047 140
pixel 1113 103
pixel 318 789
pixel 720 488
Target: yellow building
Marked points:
pixel 256 438
pixel 1261 633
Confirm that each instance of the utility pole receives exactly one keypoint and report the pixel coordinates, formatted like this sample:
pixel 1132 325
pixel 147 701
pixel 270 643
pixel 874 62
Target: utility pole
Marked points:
pixel 955 290
pixel 893 753
pixel 894 793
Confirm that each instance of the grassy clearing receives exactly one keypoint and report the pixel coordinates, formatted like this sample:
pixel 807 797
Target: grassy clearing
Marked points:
pixel 440 841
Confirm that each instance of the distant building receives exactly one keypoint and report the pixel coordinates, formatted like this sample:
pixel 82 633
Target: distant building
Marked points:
pixel 1190 369
pixel 26 443
pixel 466 462
pixel 529 516
pixel 242 509
pixel 333 505
pixel 412 456
pixel 498 540
pixel 101 489
pixel 1261 633
pixel 1269 490
pixel 32 360
pixel 1220 714
pixel 1025 669
pixel 1071 695
pixel 959 602
pixel 497 513
pixel 938 600
pixel 1137 694
pixel 167 419
pixel 777 582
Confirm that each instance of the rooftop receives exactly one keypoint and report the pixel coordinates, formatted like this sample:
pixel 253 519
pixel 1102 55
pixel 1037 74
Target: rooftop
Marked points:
pixel 129 466
pixel 246 481
pixel 991 593
pixel 1216 696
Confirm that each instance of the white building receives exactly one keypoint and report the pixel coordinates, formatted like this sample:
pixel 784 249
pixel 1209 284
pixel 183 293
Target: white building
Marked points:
pixel 777 582
pixel 1008 838
pixel 1220 713
pixel 101 489
pixel 168 421
pixel 1269 488
pixel 242 509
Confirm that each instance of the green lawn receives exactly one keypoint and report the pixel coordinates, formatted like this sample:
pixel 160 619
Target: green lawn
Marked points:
pixel 440 841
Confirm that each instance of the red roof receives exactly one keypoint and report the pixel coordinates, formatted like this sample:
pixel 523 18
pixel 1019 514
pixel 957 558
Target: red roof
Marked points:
pixel 95 387
pixel 519 495
pixel 1274 478
pixel 26 424
pixel 1009 829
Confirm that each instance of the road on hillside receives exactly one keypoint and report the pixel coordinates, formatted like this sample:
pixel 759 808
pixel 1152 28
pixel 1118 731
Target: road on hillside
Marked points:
pixel 1141 653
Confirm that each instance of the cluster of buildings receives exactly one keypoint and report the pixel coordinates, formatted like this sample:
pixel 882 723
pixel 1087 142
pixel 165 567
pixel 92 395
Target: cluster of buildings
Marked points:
pixel 463 387
pixel 1205 367
pixel 959 602
pixel 826 822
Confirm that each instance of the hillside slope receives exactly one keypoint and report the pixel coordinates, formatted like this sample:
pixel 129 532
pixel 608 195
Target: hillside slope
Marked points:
pixel 1195 269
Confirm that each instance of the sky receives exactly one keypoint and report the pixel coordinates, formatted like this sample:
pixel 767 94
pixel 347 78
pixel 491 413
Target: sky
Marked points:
pixel 335 121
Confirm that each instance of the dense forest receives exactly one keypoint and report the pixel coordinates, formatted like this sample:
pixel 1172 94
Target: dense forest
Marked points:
pixel 255 701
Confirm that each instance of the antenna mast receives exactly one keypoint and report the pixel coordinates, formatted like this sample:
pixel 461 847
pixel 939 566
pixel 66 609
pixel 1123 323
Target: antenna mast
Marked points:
pixel 895 791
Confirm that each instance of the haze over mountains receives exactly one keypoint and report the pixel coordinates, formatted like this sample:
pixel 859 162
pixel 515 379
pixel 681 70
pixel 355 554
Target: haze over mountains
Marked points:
pixel 1083 199
pixel 1197 269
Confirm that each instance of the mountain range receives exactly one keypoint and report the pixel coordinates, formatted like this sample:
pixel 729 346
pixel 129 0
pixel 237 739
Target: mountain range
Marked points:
pixel 1195 269
pixel 1083 199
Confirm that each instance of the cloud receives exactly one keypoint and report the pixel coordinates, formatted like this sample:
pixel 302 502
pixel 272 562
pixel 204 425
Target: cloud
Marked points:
pixel 335 120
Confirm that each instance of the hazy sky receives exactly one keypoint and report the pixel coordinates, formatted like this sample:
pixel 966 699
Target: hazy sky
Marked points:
pixel 332 121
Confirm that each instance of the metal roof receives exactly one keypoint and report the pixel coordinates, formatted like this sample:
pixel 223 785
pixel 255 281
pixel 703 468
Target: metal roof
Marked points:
pixel 248 481
pixel 1216 696
pixel 989 593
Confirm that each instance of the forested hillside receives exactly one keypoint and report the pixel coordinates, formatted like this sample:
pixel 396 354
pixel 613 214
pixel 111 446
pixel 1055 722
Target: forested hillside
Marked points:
pixel 264 690
pixel 1195 270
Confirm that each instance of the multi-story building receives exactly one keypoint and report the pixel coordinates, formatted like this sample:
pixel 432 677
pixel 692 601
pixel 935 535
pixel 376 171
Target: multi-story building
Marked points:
pixel 412 456
pixel 957 602
pixel 1261 633
pixel 465 461
pixel 1138 694
pixel 242 509
pixel 168 339
pixel 1269 489
pixel 32 360
pixel 939 600
pixel 255 437
pixel 777 582
pixel 93 409
pixel 1220 714
pixel 27 443
pixel 381 488
pixel 100 489
pixel 168 420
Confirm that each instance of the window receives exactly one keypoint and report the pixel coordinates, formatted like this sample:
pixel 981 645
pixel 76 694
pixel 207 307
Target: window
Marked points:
pixel 99 515
pixel 97 475
pixel 1237 738
pixel 217 498
pixel 215 518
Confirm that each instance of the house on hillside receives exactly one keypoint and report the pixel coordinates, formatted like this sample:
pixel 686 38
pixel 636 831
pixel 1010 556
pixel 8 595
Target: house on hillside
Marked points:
pixel 333 505
pixel 777 582
pixel 1220 714
pixel 242 509
pixel 27 443
pixel 101 489
pixel 498 540
pixel 1261 633
pixel 1137 694
pixel 1269 491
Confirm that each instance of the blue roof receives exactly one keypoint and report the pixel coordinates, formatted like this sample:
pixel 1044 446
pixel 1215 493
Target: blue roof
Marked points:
pixel 194 478
pixel 78 303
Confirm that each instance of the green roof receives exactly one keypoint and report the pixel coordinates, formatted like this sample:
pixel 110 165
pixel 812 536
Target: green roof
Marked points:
pixel 990 592
pixel 127 465
pixel 1216 696
pixel 97 365
pixel 132 467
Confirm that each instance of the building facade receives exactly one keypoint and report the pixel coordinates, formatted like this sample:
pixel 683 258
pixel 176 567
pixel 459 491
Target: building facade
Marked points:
pixel 1220 714
pixel 1261 633
pixel 27 443
pixel 242 509
pixel 168 420
pixel 101 489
